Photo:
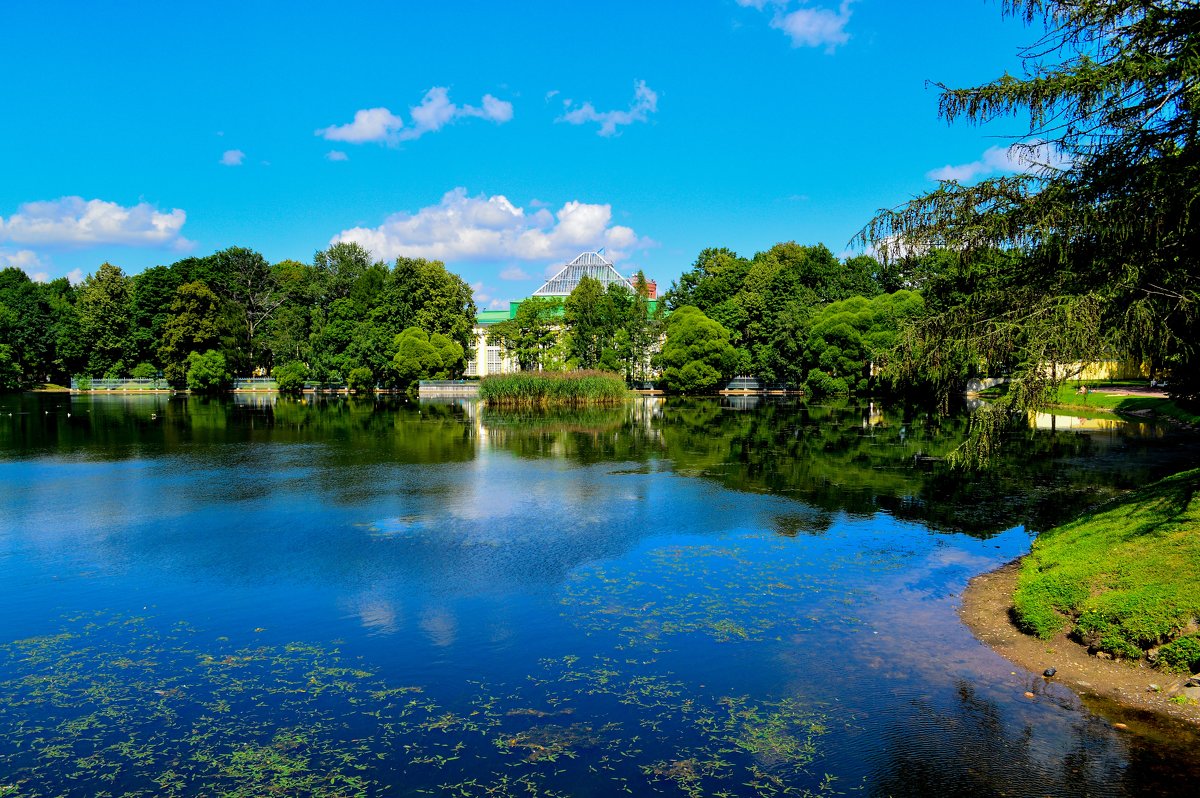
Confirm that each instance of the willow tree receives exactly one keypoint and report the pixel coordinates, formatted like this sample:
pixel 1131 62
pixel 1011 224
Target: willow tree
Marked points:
pixel 1101 216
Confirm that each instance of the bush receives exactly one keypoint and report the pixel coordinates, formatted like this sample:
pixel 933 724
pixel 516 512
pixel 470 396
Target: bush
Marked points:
pixel 1181 655
pixel 144 371
pixel 821 384
pixel 361 380
pixel 290 377
pixel 207 373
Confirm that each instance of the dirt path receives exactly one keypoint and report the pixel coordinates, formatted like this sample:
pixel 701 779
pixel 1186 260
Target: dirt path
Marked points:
pixel 985 609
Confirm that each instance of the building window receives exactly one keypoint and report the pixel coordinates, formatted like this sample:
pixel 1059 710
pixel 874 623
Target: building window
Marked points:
pixel 494 361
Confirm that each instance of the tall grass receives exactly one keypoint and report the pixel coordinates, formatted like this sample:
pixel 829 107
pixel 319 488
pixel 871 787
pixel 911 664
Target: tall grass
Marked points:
pixel 550 388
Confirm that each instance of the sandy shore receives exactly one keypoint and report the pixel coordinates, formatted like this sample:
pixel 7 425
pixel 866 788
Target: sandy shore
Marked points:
pixel 985 609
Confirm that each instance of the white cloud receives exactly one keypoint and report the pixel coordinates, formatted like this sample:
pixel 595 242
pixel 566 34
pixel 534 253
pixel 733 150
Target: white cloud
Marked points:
pixel 480 293
pixel 75 276
pixel 336 155
pixel 807 25
pixel 1032 158
pixel 814 27
pixel 645 102
pixel 462 227
pixel 370 124
pixel 433 113
pixel 78 222
pixel 27 261
pixel 500 304
pixel 514 273
pixel 232 158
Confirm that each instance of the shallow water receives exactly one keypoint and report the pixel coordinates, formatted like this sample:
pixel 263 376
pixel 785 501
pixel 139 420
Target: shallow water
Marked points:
pixel 682 597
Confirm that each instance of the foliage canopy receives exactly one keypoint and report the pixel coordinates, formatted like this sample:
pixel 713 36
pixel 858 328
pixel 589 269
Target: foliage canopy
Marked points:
pixel 1102 215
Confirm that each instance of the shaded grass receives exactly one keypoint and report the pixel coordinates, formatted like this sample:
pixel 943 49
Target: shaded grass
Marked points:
pixel 548 388
pixel 1125 577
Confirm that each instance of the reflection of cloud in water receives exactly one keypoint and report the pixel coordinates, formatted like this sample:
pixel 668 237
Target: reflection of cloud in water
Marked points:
pixel 376 612
pixel 440 625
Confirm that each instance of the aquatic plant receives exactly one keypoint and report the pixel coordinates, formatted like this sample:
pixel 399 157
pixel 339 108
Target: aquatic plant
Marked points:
pixel 549 388
pixel 115 705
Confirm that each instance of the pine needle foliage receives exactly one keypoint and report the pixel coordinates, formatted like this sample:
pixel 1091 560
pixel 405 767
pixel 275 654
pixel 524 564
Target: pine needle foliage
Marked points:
pixel 1103 216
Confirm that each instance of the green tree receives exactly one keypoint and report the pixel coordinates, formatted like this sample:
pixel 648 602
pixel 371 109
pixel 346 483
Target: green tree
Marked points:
pixel 697 355
pixel 153 291
pixel 587 313
pixel 848 340
pixel 1102 217
pixel 193 326
pixel 290 377
pixel 361 380
pixel 26 330
pixel 208 373
pixel 451 354
pixel 416 358
pixel 248 281
pixel 104 320
pixel 531 333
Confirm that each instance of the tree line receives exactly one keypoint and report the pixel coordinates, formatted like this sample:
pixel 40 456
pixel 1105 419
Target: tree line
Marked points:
pixel 199 321
pixel 792 315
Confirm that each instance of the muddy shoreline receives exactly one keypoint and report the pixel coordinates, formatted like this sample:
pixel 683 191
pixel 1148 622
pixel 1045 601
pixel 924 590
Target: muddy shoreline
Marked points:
pixel 1103 685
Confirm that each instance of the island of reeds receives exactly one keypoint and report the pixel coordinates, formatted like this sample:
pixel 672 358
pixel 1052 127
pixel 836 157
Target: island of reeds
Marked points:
pixel 552 388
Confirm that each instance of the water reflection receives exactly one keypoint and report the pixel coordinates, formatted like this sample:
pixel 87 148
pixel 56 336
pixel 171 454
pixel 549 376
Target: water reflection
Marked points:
pixel 696 591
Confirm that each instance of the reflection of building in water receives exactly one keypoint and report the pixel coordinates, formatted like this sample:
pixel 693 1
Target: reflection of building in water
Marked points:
pixel 492 359
pixel 872 415
pixel 1061 423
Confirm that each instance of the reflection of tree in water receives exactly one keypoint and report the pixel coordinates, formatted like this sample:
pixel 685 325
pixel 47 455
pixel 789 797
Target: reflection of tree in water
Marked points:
pixel 842 457
pixel 836 457
pixel 971 749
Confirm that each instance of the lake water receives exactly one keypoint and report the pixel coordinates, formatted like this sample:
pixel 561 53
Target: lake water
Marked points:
pixel 263 596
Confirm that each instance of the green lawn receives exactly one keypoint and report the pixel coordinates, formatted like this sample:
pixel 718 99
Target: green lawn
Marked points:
pixel 1124 578
pixel 1069 397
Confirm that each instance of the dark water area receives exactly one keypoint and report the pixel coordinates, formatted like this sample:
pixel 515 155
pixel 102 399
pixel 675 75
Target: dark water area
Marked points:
pixel 682 597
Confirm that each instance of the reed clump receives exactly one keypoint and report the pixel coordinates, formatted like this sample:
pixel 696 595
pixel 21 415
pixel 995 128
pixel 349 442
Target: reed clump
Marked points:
pixel 552 388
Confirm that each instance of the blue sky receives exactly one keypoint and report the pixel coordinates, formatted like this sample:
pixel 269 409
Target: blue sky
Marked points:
pixel 500 137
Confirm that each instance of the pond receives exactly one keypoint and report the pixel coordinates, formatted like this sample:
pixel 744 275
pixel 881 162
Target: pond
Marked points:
pixel 684 597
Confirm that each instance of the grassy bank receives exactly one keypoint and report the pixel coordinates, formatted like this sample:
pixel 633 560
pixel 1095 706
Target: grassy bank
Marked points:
pixel 552 388
pixel 1069 398
pixel 1124 578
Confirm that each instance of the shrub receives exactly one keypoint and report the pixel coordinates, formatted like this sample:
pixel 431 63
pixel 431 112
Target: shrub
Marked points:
pixel 144 371
pixel 361 380
pixel 290 377
pixel 1181 654
pixel 207 373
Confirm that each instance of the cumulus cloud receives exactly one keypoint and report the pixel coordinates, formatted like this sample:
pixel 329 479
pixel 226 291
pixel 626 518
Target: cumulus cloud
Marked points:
pixel 74 221
pixel 514 273
pixel 336 155
pixel 434 112
pixel 1033 158
pixel 27 261
pixel 645 102
pixel 462 227
pixel 807 25
pixel 480 293
pixel 75 276
pixel 232 158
